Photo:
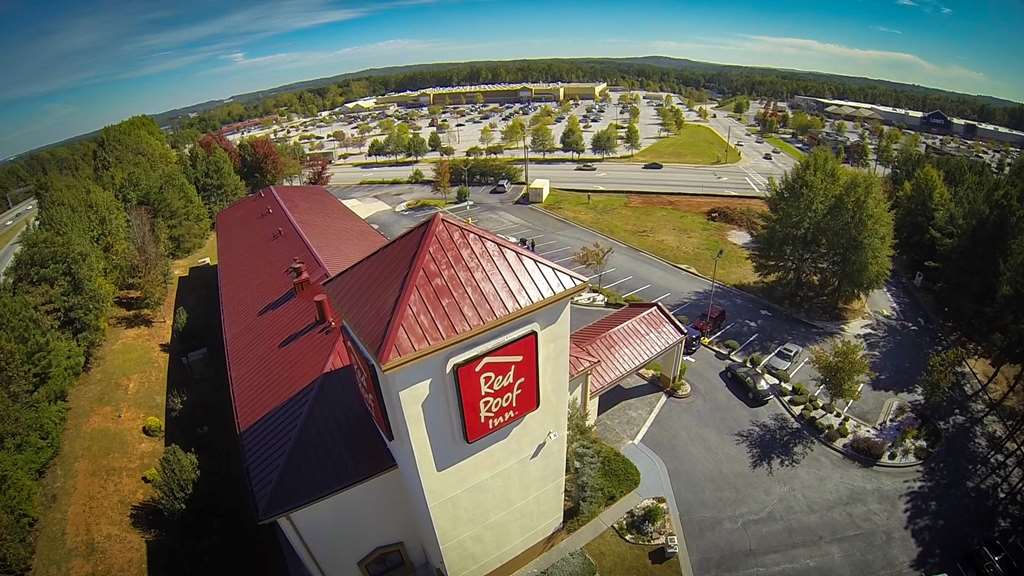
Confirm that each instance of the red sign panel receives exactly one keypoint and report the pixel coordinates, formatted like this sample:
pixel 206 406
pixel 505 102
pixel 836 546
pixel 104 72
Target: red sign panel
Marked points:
pixel 499 387
pixel 369 385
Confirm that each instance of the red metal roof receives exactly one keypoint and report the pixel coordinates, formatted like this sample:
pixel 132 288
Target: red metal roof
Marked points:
pixel 275 349
pixel 437 282
pixel 579 361
pixel 625 340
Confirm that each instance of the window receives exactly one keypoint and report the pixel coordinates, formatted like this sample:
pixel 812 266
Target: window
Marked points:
pixel 388 560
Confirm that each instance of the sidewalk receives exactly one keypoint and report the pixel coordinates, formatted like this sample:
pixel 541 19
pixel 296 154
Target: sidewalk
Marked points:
pixel 653 482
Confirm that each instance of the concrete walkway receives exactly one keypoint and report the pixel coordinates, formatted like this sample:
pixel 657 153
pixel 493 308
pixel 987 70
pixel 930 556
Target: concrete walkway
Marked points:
pixel 653 482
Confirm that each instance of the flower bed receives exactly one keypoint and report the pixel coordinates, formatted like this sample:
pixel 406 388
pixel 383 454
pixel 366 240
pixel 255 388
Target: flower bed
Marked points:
pixel 646 523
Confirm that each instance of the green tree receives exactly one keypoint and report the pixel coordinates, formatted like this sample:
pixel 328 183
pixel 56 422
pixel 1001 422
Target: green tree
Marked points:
pixel 214 178
pixel 443 179
pixel 434 142
pixel 803 123
pixel 839 127
pixel 924 212
pixel 594 257
pixel 842 368
pixel 605 142
pixel 572 137
pixel 416 146
pixel 486 135
pixel 177 474
pixel 514 132
pixel 940 377
pixel 541 139
pixel 828 231
pixel 632 137
pixel 703 113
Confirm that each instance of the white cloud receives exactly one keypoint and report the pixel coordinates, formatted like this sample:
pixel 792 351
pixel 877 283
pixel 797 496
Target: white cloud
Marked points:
pixel 906 2
pixel 888 30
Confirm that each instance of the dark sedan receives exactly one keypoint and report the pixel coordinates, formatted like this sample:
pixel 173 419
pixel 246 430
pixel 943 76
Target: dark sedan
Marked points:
pixel 653 166
pixel 751 380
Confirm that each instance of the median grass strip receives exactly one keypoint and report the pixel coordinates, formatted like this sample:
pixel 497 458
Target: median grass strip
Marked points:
pixel 787 148
pixel 8 236
pixel 677 235
pixel 693 145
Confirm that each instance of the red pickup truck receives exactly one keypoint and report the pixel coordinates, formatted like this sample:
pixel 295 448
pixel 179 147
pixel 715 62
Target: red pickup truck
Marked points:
pixel 708 324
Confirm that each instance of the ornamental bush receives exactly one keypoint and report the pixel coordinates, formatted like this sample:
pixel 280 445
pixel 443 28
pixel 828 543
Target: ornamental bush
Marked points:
pixel 843 431
pixel 755 359
pixel 731 345
pixel 150 476
pixel 153 427
pixel 800 389
pixel 832 435
pixel 868 446
pixel 797 400
pixel 176 478
pixel 820 425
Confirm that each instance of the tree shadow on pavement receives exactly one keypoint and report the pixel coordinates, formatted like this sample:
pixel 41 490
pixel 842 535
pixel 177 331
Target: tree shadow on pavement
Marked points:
pixel 775 442
pixel 966 491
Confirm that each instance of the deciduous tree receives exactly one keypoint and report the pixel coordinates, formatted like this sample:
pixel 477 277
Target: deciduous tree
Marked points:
pixel 842 368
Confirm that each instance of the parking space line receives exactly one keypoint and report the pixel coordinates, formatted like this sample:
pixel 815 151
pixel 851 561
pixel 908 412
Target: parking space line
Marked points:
pixel 635 291
pixel 555 250
pixel 768 357
pixel 617 282
pixel 798 367
pixel 546 243
pixel 505 227
pixel 563 259
pixel 719 333
pixel 605 272
pixel 662 297
pixel 650 419
pixel 537 236
pixel 749 340
pixel 751 184
pixel 576 267
pixel 681 307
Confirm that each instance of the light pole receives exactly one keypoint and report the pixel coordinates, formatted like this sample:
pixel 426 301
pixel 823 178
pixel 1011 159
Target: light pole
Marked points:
pixel 714 274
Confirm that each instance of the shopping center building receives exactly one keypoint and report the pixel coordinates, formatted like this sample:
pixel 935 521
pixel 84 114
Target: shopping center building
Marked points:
pixel 498 93
pixel 401 405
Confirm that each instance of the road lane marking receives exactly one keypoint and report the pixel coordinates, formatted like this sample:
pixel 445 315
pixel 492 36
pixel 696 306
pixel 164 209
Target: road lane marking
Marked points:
pixel 605 272
pixel 751 184
pixel 650 419
pixel 618 282
pixel 598 187
pixel 555 250
pixel 662 297
pixel 546 243
pixel 635 291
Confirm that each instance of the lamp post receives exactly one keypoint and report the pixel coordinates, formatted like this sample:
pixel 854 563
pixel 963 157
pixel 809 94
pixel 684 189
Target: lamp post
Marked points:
pixel 714 274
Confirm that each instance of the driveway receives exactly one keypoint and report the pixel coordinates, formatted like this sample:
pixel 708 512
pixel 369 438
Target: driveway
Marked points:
pixel 757 496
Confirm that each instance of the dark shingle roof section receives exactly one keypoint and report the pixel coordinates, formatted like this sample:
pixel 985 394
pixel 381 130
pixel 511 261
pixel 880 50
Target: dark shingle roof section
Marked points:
pixel 276 351
pixel 438 281
pixel 625 340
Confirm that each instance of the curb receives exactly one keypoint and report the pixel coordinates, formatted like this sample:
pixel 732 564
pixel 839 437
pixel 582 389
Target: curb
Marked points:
pixel 747 195
pixel 683 268
pixel 838 449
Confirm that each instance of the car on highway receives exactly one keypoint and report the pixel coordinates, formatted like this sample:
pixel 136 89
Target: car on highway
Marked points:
pixel 739 142
pixel 9 222
pixel 586 167
pixel 759 140
pixel 752 381
pixel 767 156
pixel 784 357
pixel 653 166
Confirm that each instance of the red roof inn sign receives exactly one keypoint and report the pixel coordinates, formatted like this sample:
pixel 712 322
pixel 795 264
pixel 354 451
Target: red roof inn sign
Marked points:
pixel 498 387
pixel 369 385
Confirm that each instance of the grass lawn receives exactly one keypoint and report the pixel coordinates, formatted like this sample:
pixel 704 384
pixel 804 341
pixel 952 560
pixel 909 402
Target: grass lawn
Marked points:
pixel 8 235
pixel 94 484
pixel 728 103
pixel 786 147
pixel 616 557
pixel 694 145
pixel 675 229
pixel 426 202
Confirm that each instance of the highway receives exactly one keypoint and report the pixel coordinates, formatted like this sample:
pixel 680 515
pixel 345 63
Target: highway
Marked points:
pixel 743 179
pixel 8 220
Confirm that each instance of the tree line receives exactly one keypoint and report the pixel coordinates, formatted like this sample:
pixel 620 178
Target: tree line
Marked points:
pixel 113 212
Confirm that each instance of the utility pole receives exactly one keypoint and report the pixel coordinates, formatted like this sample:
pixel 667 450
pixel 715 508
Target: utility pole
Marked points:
pixel 526 159
pixel 714 274
pixel 727 138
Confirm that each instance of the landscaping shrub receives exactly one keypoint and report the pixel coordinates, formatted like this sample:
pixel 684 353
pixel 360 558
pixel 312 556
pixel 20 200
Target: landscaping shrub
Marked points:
pixel 150 476
pixel 797 400
pixel 176 401
pixel 653 367
pixel 832 435
pixel 806 413
pixel 153 427
pixel 462 194
pixel 576 563
pixel 782 375
pixel 827 407
pixel 731 345
pixel 816 403
pixel 868 446
pixel 800 389
pixel 416 177
pixel 843 431
pixel 755 359
pixel 177 474
pixel 820 424
pixel 180 320
pixel 920 452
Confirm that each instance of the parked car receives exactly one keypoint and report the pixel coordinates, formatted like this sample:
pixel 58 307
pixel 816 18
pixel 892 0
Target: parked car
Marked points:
pixel 586 167
pixel 751 380
pixel 653 166
pixel 776 151
pixel 708 324
pixel 995 557
pixel 783 359
pixel 692 343
pixel 759 140
pixel 739 143
pixel 501 187
pixel 767 156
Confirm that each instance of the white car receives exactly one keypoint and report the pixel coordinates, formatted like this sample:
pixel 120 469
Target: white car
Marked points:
pixel 9 222
pixel 785 357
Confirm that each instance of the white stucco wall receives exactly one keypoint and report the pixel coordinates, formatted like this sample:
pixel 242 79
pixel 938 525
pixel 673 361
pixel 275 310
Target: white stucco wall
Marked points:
pixel 488 501
pixel 339 531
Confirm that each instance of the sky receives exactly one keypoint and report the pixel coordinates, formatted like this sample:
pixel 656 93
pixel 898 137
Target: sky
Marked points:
pixel 73 67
